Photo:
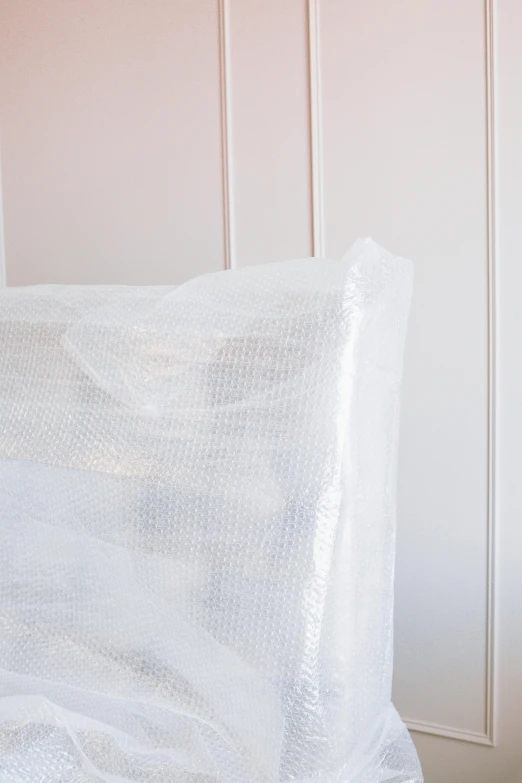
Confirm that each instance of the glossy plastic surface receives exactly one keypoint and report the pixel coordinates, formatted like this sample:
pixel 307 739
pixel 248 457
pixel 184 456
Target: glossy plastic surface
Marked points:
pixel 197 527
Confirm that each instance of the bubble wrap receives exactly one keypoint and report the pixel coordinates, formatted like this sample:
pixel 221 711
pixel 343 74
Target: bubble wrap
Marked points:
pixel 197 527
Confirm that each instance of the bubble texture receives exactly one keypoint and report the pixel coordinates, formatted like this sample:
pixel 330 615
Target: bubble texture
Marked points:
pixel 197 527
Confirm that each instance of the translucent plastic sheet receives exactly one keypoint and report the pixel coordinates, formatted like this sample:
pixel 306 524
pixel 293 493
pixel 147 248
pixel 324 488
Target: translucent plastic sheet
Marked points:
pixel 197 527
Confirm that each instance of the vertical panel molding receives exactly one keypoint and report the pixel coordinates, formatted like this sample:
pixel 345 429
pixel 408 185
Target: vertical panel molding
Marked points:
pixel 316 130
pixel 491 70
pixel 489 736
pixel 3 270
pixel 226 133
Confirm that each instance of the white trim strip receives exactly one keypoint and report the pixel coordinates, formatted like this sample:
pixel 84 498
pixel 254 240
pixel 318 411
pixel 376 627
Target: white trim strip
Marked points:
pixel 492 366
pixel 448 732
pixel 3 262
pixel 316 128
pixel 226 135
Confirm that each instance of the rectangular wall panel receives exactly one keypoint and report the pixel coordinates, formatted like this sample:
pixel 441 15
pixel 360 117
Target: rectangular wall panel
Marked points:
pixel 404 130
pixel 269 96
pixel 110 123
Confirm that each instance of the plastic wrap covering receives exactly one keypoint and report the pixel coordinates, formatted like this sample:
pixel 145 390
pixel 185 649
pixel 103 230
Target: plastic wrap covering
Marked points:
pixel 197 508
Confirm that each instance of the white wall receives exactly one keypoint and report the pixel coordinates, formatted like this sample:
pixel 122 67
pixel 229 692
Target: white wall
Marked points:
pixel 111 140
pixel 148 142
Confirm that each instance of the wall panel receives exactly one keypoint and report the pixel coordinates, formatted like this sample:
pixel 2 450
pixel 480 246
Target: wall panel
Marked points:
pixel 404 130
pixel 111 150
pixel 270 129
